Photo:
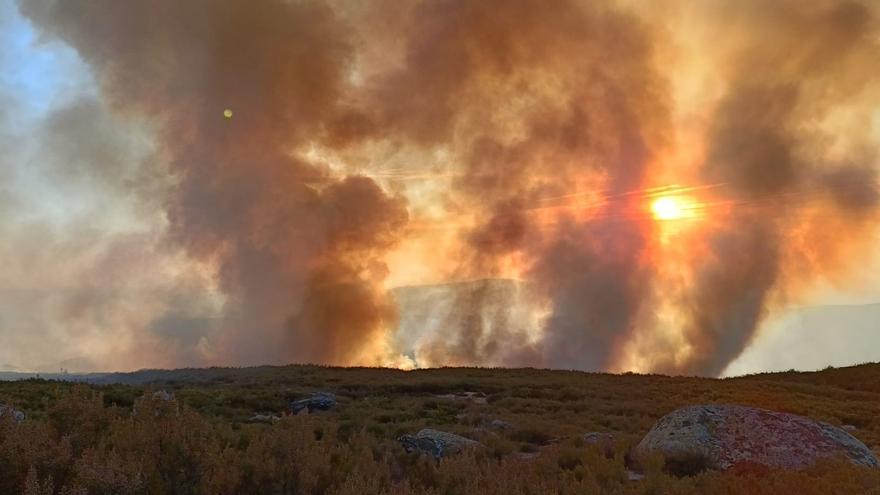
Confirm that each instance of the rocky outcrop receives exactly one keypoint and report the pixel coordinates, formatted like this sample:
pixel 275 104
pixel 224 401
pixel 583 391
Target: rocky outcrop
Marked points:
pixel 319 401
pixel 436 443
pixel 16 415
pixel 724 437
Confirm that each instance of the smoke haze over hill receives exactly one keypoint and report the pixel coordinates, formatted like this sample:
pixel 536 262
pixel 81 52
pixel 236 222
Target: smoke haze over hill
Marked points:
pixel 311 181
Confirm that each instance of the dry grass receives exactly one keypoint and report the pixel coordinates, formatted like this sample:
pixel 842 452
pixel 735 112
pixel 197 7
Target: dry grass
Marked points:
pixel 83 438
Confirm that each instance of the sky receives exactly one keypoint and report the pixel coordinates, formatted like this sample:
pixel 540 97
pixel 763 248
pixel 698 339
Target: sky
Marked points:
pixel 591 188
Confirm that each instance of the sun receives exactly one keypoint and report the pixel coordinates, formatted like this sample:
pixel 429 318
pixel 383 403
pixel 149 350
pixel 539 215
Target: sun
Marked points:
pixel 667 208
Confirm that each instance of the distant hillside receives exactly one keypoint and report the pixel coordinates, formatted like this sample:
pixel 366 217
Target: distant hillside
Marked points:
pixel 862 377
pixel 68 377
pixel 812 338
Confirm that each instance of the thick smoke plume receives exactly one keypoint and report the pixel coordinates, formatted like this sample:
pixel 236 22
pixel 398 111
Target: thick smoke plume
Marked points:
pixel 373 144
pixel 298 252
pixel 763 144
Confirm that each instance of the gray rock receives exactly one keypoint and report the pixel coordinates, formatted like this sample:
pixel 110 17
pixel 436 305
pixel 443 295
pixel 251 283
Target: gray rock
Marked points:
pixel 264 418
pixel 500 425
pixel 849 427
pixel 605 442
pixel 634 476
pixel 163 395
pixel 436 443
pixel 319 401
pixel 722 437
pixel 18 416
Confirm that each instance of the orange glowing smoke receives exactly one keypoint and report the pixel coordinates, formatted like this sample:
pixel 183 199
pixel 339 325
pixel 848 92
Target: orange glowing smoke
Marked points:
pixel 667 208
pixel 385 143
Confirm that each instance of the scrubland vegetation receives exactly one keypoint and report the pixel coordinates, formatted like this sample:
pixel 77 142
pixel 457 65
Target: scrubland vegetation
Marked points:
pixel 84 439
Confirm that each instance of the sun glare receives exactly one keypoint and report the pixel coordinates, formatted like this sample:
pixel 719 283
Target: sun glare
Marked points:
pixel 667 208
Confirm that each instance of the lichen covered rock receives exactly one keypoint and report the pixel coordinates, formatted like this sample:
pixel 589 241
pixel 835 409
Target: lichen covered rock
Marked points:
pixel 436 443
pixel 724 437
